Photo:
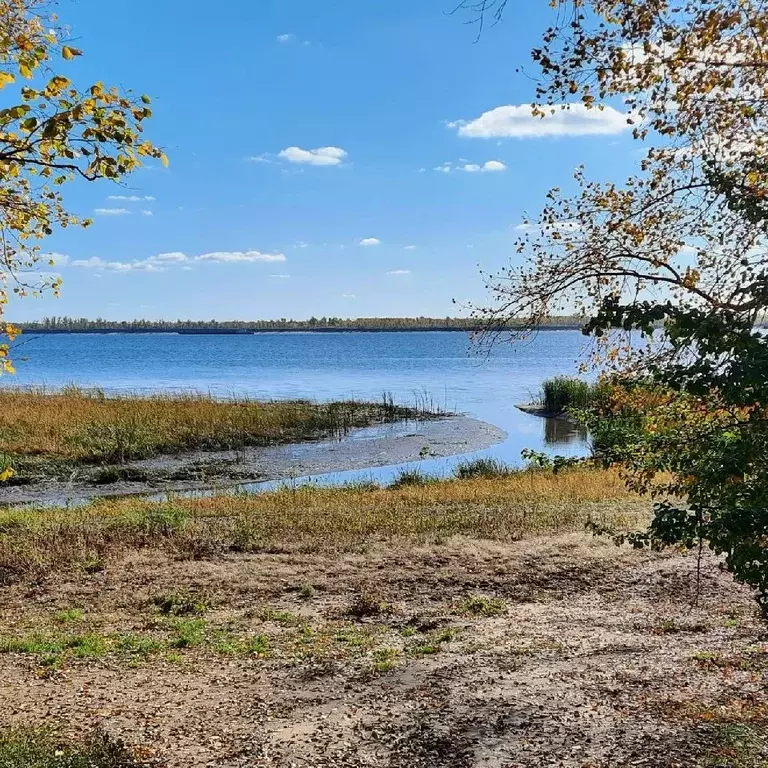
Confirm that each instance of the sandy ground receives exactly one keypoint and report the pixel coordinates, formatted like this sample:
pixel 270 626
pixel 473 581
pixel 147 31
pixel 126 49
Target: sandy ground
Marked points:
pixel 362 448
pixel 590 657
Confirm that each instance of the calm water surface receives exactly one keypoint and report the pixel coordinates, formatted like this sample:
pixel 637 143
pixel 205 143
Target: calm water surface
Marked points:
pixel 445 367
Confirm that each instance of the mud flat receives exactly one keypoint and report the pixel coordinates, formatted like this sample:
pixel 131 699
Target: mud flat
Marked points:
pixel 368 447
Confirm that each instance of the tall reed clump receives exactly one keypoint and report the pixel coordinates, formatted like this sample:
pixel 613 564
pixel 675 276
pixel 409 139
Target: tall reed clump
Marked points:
pixel 563 392
pixel 86 426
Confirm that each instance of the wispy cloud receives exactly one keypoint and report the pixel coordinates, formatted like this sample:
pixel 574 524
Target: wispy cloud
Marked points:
pixel 132 198
pixel 162 261
pixel 320 156
pixel 399 272
pixel 518 121
pixel 370 242
pixel 231 257
pixel 409 247
pixel 111 211
pixel 347 295
pixel 281 277
pixel 99 264
pixel 147 213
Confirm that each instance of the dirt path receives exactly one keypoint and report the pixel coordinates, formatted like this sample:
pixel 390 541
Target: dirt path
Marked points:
pixel 549 652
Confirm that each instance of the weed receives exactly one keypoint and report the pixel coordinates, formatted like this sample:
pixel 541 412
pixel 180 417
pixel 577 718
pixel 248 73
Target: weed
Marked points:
pixel 27 748
pixel 306 591
pixel 286 618
pixel 68 615
pixel 480 605
pixel 385 659
pixel 180 604
pixel 736 746
pixel 190 633
pixel 365 605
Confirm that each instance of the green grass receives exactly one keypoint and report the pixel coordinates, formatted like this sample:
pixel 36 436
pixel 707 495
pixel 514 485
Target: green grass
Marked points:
pixel 28 748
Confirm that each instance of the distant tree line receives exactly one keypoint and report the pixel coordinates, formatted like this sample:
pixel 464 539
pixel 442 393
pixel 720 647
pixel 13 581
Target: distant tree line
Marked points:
pixel 99 325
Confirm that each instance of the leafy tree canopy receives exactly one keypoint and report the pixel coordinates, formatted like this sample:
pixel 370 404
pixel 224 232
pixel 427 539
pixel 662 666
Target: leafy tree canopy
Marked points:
pixel 51 133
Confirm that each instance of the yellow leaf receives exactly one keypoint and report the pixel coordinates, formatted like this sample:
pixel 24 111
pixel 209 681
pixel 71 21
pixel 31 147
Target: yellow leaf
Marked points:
pixel 164 159
pixel 25 71
pixel 6 474
pixel 70 53
pixel 6 78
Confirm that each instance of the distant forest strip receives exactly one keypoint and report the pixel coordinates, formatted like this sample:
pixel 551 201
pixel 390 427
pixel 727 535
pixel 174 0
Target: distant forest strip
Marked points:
pixel 328 324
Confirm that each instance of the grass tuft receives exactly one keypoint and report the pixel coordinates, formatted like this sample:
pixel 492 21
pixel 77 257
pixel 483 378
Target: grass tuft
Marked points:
pixel 489 468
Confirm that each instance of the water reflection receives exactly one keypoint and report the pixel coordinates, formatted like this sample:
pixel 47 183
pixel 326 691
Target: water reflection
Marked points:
pixel 563 432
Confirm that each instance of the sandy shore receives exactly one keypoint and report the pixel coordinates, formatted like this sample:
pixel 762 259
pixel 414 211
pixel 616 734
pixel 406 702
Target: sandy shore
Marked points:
pixel 360 449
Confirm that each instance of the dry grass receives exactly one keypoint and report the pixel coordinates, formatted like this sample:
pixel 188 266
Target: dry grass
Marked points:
pixel 85 426
pixel 503 508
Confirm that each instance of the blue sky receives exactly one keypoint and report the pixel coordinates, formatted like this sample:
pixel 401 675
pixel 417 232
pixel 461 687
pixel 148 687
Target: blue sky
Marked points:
pixel 344 158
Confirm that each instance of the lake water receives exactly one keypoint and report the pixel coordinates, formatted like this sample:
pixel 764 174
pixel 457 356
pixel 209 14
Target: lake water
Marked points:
pixel 442 366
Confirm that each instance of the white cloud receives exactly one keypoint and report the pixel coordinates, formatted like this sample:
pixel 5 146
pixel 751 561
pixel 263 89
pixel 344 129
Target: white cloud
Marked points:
pixel 319 156
pixel 111 211
pixel 291 38
pixel 281 277
pixel 347 295
pixel 409 247
pixel 223 257
pixel 132 198
pixel 490 166
pixel 369 242
pixel 399 272
pixel 263 158
pixel 524 227
pixel 517 121
pixel 147 213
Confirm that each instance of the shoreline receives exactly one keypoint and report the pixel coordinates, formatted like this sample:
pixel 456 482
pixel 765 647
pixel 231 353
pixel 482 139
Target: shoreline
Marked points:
pixel 364 448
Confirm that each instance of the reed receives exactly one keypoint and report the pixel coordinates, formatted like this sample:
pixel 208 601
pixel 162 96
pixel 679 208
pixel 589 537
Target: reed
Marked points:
pixel 563 392
pixel 87 426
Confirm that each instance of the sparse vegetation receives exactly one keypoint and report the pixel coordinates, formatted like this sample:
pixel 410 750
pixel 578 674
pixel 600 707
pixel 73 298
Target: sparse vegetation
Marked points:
pixel 33 541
